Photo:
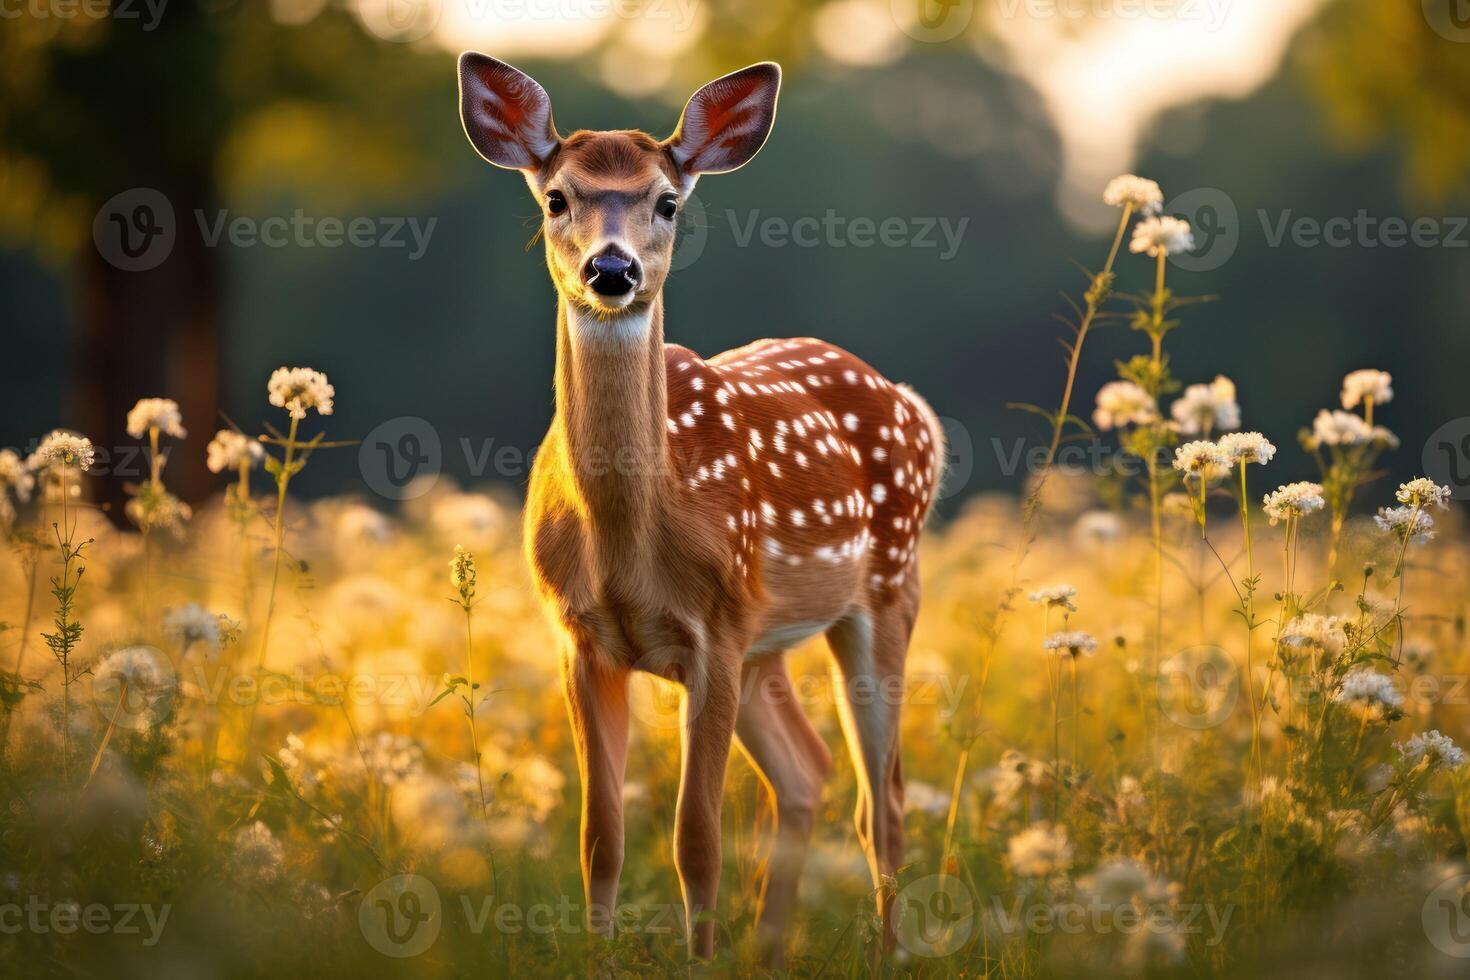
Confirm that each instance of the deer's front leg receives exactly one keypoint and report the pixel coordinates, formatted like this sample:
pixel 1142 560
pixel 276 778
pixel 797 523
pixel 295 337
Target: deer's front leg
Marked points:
pixel 709 728
pixel 597 701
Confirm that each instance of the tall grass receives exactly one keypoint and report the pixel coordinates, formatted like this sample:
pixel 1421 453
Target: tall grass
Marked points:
pixel 1209 745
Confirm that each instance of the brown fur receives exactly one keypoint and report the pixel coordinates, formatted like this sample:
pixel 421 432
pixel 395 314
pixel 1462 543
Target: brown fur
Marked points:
pixel 692 518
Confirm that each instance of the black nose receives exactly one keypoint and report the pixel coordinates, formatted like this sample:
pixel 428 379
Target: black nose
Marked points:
pixel 611 273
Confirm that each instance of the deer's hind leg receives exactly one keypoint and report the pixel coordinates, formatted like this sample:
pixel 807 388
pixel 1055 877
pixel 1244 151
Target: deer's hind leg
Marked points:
pixel 870 649
pixel 793 761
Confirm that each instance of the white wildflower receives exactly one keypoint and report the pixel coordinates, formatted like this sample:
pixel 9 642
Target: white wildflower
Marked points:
pixel 63 449
pixel 133 688
pixel 1423 492
pixel 1439 749
pixel 1368 691
pixel 358 523
pixel 1139 193
pixel 1310 629
pixel 393 758
pixel 1162 235
pixel 15 476
pixel 1406 522
pixel 1202 460
pixel 1097 527
pixel 1032 772
pixel 190 624
pixel 156 413
pixel 1056 595
pixel 293 752
pixel 298 389
pixel 1039 850
pixel 1367 385
pixel 472 516
pixel 1203 408
pixel 1247 447
pixel 1294 500
pixel 1074 642
pixel 301 768
pixel 1380 436
pixel 1339 428
pixel 1122 881
pixel 228 449
pixel 1121 403
pixel 923 798
pixel 257 857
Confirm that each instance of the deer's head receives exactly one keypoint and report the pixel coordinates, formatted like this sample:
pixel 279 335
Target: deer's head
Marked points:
pixel 610 199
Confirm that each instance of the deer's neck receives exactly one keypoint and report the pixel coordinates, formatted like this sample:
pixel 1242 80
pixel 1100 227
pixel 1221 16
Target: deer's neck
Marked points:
pixel 611 405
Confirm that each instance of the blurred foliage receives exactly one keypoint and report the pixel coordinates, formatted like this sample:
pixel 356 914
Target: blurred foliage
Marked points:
pixel 89 103
pixel 271 96
pixel 1382 76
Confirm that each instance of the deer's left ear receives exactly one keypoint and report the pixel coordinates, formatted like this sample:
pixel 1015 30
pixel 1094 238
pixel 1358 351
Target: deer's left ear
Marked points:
pixel 726 123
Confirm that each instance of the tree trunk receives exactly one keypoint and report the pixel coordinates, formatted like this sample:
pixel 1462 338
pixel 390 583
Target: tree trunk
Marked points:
pixel 151 333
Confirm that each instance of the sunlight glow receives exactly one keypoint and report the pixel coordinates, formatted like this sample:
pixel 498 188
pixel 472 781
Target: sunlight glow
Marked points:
pixel 1104 81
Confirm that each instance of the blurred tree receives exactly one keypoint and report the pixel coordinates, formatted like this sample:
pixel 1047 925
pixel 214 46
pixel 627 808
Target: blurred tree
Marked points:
pixel 1399 71
pixel 177 107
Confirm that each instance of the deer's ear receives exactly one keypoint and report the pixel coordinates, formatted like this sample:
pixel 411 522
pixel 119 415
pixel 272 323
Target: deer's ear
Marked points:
pixel 506 114
pixel 726 123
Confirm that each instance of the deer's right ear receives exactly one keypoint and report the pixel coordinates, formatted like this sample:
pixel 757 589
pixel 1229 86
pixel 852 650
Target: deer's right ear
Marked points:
pixel 506 114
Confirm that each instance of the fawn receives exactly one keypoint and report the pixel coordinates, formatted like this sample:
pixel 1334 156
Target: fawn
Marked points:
pixel 697 518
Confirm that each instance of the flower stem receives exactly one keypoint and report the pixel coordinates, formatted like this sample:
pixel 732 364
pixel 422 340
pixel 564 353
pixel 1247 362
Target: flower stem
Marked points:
pixel 282 480
pixel 469 676
pixel 1094 299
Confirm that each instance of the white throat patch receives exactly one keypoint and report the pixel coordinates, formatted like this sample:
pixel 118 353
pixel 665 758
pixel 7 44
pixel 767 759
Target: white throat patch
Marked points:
pixel 618 330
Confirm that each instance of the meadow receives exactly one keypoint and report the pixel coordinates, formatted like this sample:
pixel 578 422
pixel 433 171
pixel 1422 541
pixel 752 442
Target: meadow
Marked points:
pixel 1166 717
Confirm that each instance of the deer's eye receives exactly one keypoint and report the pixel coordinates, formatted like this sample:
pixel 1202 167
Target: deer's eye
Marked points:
pixel 556 203
pixel 667 206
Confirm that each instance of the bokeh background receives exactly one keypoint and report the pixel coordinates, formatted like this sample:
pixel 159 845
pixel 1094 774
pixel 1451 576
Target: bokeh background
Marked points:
pixel 1005 115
